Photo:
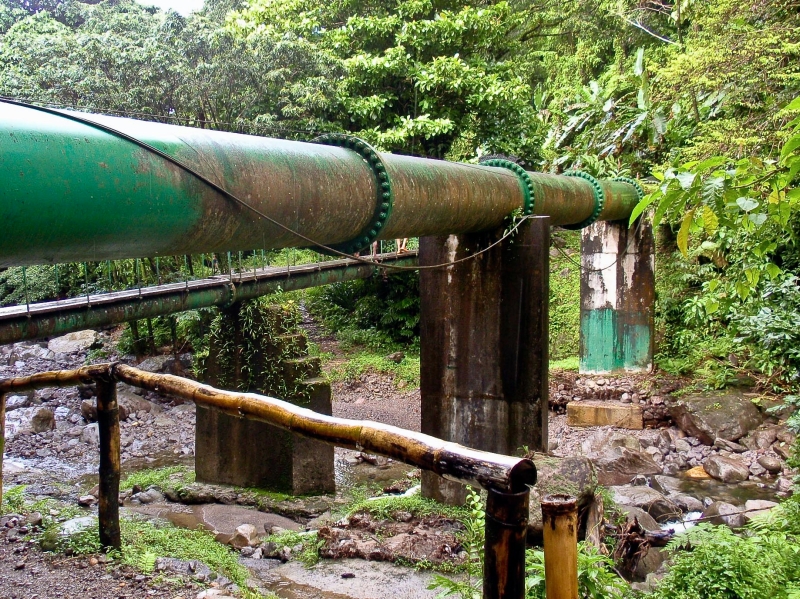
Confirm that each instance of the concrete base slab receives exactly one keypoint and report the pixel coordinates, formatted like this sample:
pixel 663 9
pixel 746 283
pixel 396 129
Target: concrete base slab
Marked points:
pixel 604 413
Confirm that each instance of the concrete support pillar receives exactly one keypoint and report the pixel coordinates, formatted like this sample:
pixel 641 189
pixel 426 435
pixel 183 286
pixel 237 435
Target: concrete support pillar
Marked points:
pixel 484 344
pixel 617 297
pixel 247 453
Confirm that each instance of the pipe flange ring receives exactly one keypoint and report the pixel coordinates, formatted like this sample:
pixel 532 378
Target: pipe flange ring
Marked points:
pixel 231 294
pixel 634 182
pixel 599 199
pixel 524 178
pixel 385 195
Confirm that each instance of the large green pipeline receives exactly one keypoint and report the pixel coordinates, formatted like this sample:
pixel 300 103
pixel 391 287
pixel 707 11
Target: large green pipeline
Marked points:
pixel 72 192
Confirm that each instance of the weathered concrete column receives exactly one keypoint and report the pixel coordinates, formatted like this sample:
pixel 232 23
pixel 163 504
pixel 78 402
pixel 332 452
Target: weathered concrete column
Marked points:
pixel 617 297
pixel 484 344
pixel 248 453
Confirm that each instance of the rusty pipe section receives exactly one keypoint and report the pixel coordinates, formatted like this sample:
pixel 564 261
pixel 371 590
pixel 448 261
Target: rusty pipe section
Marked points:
pixel 71 191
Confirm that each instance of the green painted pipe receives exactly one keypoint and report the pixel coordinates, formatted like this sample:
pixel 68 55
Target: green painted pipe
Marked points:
pixel 72 192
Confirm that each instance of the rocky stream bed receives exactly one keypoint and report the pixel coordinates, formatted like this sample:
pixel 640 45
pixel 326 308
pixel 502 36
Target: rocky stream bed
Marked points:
pixel 717 457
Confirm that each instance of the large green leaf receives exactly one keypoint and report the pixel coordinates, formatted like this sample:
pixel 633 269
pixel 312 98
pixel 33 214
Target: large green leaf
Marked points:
pixel 643 204
pixel 790 146
pixel 683 232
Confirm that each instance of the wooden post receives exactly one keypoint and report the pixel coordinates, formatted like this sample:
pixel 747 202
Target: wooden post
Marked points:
pixel 2 442
pixel 560 519
pixel 504 548
pixel 108 427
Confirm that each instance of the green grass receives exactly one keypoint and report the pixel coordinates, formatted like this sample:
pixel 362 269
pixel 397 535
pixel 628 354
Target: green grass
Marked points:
pixel 406 373
pixel 385 508
pixel 309 555
pixel 13 500
pixel 167 477
pixel 570 363
pixel 144 541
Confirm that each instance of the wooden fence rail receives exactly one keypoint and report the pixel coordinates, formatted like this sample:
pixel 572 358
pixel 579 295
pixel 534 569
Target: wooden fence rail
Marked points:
pixel 505 478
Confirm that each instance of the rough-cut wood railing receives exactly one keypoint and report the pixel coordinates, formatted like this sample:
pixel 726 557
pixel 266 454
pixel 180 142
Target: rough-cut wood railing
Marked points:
pixel 505 478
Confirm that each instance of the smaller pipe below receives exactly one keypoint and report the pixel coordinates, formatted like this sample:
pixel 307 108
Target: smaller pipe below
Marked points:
pixel 560 520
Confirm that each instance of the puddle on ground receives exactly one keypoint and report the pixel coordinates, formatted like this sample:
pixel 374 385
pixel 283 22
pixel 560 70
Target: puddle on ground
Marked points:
pixel 736 494
pixel 351 473
pixel 218 518
pixel 341 579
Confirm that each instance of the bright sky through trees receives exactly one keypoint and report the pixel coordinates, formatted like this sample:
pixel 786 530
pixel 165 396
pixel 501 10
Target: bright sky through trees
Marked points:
pixel 183 7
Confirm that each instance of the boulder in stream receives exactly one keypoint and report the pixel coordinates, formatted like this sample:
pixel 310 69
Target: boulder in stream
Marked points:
pixel 572 475
pixel 722 513
pixel 727 470
pixel 647 499
pixel 729 416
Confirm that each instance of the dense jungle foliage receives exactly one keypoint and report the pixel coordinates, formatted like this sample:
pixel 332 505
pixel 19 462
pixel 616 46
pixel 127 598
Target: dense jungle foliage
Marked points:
pixel 698 98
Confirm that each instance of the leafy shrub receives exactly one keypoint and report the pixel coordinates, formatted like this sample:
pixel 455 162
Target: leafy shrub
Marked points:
pixel 714 563
pixel 144 541
pixel 473 541
pixel 388 306
pixel 407 371
pixel 773 332
pixel 596 577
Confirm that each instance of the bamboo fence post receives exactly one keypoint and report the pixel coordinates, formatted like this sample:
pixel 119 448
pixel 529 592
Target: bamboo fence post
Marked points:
pixel 2 443
pixel 560 519
pixel 504 547
pixel 108 427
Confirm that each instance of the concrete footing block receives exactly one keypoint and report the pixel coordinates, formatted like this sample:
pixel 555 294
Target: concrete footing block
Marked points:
pixel 599 413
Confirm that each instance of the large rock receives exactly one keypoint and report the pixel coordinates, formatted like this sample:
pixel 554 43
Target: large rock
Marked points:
pixel 73 342
pixel 25 351
pixel 29 421
pixel 16 402
pixel 245 536
pixel 647 499
pixel 572 475
pixel 727 470
pixel 770 463
pixel 157 364
pixel 729 416
pixel 602 439
pixel 91 435
pixel 618 465
pixel 762 438
pixel 129 403
pixel 757 507
pixel 721 513
pixel 645 520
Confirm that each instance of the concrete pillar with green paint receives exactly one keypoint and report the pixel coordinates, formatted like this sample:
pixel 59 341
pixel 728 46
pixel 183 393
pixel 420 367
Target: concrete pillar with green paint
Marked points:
pixel 617 297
